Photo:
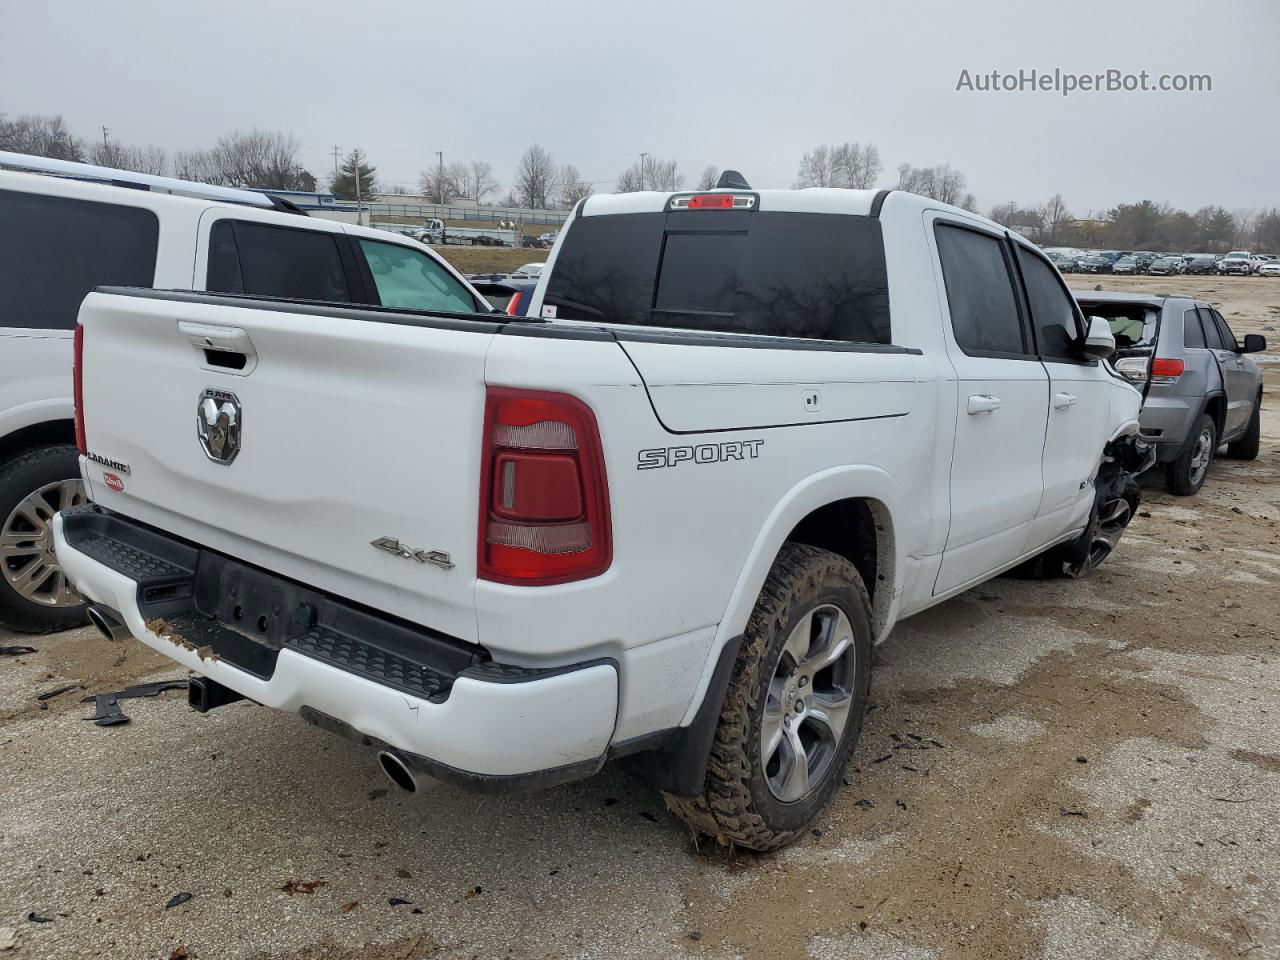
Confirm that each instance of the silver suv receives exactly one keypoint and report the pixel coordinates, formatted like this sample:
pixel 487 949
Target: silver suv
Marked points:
pixel 1200 389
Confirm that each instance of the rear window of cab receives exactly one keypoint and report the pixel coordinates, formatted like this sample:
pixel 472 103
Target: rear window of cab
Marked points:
pixel 800 275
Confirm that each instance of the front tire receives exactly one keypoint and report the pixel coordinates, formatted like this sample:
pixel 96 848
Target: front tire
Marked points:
pixel 34 594
pixel 794 707
pixel 1186 474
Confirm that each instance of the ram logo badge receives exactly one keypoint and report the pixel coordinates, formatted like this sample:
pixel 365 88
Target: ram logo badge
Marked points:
pixel 702 453
pixel 435 557
pixel 218 421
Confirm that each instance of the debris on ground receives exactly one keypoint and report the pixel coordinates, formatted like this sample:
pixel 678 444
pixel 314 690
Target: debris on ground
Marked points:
pixel 16 651
pixel 179 953
pixel 33 917
pixel 57 691
pixel 349 906
pixel 178 899
pixel 107 712
pixel 298 886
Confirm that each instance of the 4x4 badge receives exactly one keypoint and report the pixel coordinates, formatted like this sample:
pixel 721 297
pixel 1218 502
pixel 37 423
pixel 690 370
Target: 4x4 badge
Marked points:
pixel 436 557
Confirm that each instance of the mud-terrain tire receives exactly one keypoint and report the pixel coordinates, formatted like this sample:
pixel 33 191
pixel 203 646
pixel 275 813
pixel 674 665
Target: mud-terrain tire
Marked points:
pixel 742 802
pixel 23 510
pixel 1246 448
pixel 1187 473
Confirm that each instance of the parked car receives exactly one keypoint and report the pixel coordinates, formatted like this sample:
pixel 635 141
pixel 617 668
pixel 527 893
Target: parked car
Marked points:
pixel 1167 266
pixel 61 238
pixel 1095 263
pixel 536 243
pixel 1256 262
pixel 1236 262
pixel 528 270
pixel 1145 258
pixel 1064 262
pixel 512 297
pixel 665 520
pixel 1200 387
pixel 1270 269
pixel 1202 264
pixel 1125 265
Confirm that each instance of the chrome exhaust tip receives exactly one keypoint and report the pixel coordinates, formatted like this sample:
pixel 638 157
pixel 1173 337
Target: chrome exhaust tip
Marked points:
pixel 108 622
pixel 398 771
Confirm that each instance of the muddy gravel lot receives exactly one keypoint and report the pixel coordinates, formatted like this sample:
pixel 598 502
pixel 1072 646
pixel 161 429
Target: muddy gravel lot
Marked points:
pixel 1063 770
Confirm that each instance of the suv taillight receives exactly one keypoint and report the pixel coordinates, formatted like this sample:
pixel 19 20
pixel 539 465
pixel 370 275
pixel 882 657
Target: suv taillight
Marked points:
pixel 77 374
pixel 544 497
pixel 1166 370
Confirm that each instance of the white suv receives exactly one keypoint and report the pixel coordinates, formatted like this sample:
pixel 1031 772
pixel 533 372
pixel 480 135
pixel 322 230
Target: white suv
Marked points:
pixel 60 238
pixel 665 517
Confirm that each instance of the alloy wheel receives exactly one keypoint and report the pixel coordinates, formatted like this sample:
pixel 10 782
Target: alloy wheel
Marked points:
pixel 808 703
pixel 1201 456
pixel 26 545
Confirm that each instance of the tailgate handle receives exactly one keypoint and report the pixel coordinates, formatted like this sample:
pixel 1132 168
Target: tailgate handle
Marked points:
pixel 224 349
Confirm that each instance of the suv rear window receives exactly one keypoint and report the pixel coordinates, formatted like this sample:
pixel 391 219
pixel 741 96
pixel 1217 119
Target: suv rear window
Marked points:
pixel 270 261
pixel 54 250
pixel 1132 324
pixel 803 275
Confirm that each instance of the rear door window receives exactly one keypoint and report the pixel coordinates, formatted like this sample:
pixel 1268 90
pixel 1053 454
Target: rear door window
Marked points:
pixel 409 279
pixel 980 293
pixel 1229 341
pixel 269 261
pixel 802 275
pixel 54 250
pixel 1192 332
pixel 1053 310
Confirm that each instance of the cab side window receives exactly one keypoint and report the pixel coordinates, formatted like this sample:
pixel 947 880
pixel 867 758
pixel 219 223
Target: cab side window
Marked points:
pixel 1053 310
pixel 1212 338
pixel 980 293
pixel 411 280
pixel 1229 341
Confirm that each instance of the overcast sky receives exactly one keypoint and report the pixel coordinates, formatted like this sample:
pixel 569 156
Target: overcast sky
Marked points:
pixel 738 84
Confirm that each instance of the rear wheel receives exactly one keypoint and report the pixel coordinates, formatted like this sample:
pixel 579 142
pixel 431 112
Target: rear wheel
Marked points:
pixel 1186 474
pixel 1246 448
pixel 793 711
pixel 34 594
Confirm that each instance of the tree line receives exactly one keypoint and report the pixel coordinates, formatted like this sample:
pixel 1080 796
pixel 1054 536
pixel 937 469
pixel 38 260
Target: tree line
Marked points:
pixel 272 160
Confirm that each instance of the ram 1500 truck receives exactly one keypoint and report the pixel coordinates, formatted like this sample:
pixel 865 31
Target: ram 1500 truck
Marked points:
pixel 664 517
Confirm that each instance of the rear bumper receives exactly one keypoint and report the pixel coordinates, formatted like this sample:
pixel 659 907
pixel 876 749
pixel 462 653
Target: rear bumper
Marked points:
pixel 1166 421
pixel 442 704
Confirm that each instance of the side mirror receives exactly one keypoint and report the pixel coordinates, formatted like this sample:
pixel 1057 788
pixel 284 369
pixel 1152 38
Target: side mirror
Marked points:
pixel 1254 343
pixel 1099 342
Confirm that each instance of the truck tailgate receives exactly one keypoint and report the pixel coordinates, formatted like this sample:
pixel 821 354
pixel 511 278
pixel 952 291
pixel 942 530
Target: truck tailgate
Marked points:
pixel 355 426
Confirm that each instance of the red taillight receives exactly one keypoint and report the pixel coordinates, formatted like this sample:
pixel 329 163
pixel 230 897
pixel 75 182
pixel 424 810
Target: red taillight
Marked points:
pixel 711 201
pixel 1164 368
pixel 77 373
pixel 544 497
pixel 513 305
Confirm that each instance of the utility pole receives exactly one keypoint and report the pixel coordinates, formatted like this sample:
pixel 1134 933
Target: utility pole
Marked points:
pixel 440 179
pixel 104 138
pixel 335 161
pixel 642 170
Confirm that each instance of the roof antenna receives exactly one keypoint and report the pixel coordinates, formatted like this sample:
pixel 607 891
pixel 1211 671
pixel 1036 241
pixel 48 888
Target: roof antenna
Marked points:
pixel 732 180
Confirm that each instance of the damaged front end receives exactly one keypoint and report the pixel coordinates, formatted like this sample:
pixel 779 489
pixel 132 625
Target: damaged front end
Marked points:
pixel 1116 499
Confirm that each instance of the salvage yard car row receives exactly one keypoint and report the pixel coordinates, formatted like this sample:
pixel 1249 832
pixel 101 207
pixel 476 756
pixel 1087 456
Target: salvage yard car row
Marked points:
pixel 569 585
pixel 1234 263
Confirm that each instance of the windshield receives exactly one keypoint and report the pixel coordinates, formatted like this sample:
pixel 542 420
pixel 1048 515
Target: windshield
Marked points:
pixel 815 276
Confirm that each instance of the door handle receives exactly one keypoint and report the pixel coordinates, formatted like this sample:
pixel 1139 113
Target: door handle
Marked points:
pixel 983 403
pixel 1063 400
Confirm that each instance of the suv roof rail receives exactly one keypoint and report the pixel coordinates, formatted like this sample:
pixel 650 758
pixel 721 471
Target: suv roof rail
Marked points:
pixel 143 181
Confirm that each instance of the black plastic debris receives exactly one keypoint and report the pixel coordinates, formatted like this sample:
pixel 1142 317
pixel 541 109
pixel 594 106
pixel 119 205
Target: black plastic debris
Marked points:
pixel 177 900
pixel 34 917
pixel 107 712
pixel 399 902
pixel 143 690
pixel 57 691
pixel 16 651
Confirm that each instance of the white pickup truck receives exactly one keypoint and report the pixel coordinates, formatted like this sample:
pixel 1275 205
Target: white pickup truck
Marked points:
pixel 666 516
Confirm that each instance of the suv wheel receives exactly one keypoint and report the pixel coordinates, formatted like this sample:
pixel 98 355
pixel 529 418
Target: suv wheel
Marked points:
pixel 34 594
pixel 793 711
pixel 1187 473
pixel 1246 448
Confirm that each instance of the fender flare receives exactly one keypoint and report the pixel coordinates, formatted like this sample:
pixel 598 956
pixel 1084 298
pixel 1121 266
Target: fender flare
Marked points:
pixel 811 493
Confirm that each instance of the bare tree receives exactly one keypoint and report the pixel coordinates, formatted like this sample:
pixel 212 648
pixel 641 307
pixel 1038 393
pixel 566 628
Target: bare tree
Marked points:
pixel 710 177
pixel 815 168
pixel 650 174
pixel 535 178
pixel 197 165
pixel 940 183
pixel 572 187
pixel 260 158
pixel 629 181
pixel 138 159
pixel 480 181
pixel 40 136
pixel 439 185
pixel 1055 215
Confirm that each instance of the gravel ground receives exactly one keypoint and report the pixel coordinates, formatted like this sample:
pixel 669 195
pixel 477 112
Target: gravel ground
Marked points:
pixel 1064 770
